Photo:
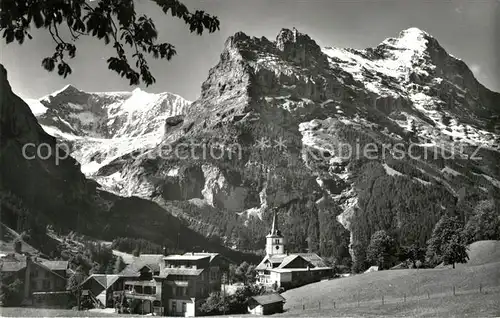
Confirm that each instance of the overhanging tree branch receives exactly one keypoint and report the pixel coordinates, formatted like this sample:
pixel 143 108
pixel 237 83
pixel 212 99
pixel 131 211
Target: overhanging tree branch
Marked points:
pixel 104 19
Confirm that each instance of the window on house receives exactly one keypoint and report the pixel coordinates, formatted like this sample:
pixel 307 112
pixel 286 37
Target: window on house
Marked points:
pixel 174 306
pixel 154 290
pixel 183 307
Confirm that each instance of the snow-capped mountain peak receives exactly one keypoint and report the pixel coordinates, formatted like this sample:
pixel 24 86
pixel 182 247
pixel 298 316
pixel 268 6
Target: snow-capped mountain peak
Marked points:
pixel 409 40
pixel 102 126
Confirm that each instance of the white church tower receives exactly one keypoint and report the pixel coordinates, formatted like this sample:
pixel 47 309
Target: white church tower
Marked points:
pixel 275 242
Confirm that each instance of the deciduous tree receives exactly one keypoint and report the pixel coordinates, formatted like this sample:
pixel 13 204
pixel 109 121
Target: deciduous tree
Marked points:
pixel 448 243
pixel 382 250
pixel 115 22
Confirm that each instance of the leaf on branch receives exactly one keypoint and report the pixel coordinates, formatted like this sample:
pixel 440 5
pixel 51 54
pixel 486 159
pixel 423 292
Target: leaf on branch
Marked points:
pixel 48 63
pixel 103 20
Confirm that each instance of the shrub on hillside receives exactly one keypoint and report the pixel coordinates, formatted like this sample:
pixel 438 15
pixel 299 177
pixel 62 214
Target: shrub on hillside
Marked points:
pixel 218 303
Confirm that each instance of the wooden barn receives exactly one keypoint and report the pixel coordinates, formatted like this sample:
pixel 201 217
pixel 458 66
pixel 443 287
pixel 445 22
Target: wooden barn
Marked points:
pixel 266 304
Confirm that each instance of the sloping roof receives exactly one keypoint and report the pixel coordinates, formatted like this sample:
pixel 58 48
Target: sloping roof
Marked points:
pixel 269 299
pixel 103 279
pixel 372 269
pixel 314 258
pixel 275 259
pixel 126 257
pixel 150 260
pixel 187 257
pixel 12 266
pixel 180 271
pixel 100 278
pixel 290 270
pixel 39 264
pixel 110 279
pixel 56 265
pixel 284 259
pixel 290 258
pixel 212 255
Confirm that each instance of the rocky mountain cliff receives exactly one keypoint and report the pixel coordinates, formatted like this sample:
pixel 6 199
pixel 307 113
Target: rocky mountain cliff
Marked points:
pixel 100 127
pixel 286 124
pixel 41 185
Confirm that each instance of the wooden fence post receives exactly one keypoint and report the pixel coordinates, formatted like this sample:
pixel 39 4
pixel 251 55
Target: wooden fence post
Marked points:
pixel 480 288
pixel 454 291
pixel 333 305
pixel 428 295
pixel 303 307
pixel 382 299
pixel 319 304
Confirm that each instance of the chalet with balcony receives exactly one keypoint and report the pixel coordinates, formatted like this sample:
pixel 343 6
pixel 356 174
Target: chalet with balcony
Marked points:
pixel 102 288
pixel 175 285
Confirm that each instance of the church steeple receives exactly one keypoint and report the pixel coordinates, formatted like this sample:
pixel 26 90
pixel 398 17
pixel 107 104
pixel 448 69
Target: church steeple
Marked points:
pixel 275 243
pixel 274 227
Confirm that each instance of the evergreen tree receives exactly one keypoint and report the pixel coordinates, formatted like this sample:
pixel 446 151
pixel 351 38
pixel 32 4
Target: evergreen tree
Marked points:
pixel 359 263
pixel 447 243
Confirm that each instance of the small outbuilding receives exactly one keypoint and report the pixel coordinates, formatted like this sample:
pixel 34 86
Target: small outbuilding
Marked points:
pixel 266 304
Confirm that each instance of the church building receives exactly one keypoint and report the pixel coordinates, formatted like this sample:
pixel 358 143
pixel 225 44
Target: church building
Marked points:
pixel 282 269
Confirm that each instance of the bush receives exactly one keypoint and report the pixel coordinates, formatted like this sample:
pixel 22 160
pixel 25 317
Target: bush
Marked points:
pixel 218 304
pixel 11 290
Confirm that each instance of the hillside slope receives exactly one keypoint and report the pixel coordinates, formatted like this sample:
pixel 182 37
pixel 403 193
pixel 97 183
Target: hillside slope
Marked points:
pixel 393 284
pixel 48 188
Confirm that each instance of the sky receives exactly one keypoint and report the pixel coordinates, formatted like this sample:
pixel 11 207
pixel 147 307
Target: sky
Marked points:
pixel 468 29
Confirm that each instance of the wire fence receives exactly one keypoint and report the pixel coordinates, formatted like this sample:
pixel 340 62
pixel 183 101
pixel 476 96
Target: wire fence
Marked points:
pixel 360 300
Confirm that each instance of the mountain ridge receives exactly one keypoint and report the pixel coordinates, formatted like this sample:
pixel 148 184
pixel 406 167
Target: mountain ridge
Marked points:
pixel 317 100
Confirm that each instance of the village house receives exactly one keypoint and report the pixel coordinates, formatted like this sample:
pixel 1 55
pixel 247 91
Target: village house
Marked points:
pixel 44 281
pixel 288 270
pixel 102 288
pixel 173 285
pixel 266 304
pixel 189 279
